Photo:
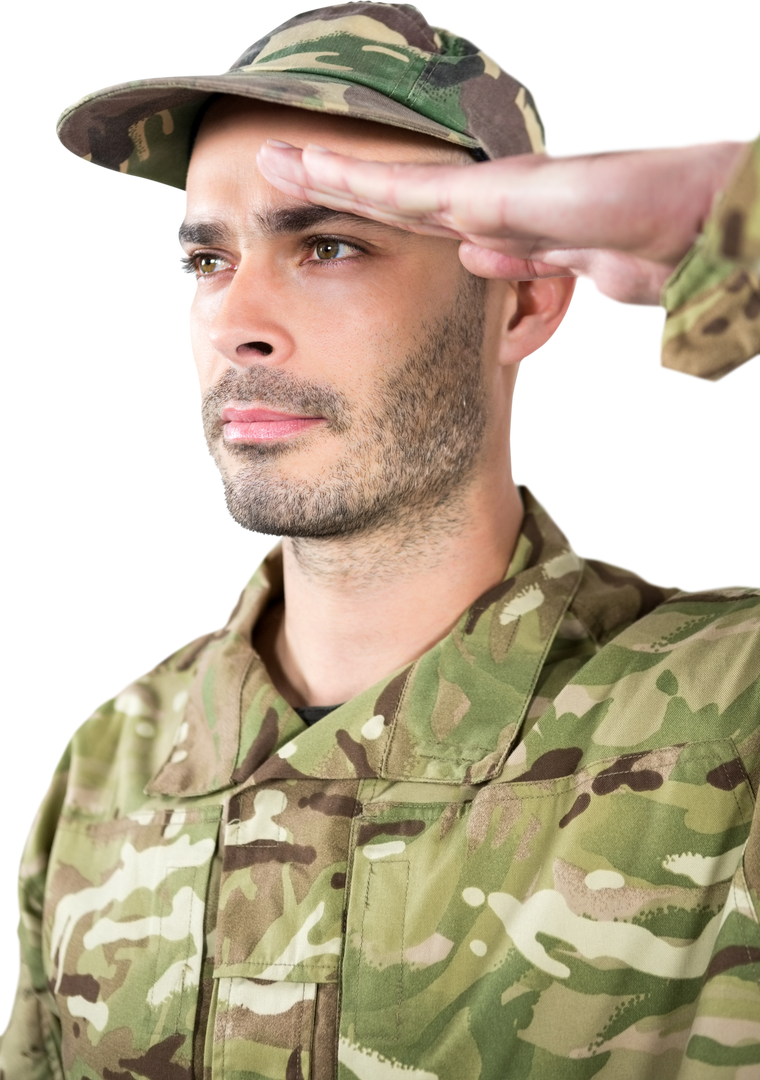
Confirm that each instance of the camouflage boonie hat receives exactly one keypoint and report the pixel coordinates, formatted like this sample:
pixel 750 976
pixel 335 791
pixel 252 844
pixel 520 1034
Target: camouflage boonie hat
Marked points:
pixel 379 62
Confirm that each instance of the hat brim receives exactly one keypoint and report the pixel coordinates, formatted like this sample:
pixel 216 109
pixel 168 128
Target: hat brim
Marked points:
pixel 145 128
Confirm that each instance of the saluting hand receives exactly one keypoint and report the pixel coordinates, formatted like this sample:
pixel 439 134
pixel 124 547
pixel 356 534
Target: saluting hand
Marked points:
pixel 623 219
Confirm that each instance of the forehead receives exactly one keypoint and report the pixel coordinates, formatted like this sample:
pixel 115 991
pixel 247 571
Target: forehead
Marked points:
pixel 234 128
pixel 228 197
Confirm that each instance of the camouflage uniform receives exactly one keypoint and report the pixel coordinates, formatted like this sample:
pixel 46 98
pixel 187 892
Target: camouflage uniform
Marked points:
pixel 713 298
pixel 532 853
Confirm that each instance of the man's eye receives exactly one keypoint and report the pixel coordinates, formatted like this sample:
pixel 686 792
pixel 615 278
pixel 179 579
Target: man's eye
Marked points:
pixel 203 265
pixel 206 264
pixel 329 250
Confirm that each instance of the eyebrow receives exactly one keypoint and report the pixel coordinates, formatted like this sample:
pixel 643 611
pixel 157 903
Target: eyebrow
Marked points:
pixel 285 221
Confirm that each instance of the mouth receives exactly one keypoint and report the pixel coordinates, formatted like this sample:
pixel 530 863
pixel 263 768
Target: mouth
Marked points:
pixel 256 424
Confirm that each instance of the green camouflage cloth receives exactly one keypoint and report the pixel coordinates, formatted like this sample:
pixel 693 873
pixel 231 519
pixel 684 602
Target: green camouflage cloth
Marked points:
pixel 379 62
pixel 533 853
pixel 713 298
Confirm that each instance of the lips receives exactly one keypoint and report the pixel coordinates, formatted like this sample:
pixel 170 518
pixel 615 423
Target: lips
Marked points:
pixel 260 416
pixel 257 424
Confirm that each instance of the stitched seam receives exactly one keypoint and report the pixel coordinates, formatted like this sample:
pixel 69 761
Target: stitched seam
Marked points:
pixel 745 885
pixel 578 780
pixel 733 789
pixel 295 1035
pixel 347 892
pixel 392 729
pixel 227 1032
pixel 402 964
pixel 284 969
pixel 307 1015
pixel 422 79
pixel 573 783
pixel 361 947
pixel 336 1035
pixel 125 824
pixel 745 942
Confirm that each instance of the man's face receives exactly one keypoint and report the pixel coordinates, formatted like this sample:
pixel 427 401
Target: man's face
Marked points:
pixel 340 360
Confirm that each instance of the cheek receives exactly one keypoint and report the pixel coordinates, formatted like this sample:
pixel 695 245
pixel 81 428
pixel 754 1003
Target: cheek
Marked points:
pixel 208 364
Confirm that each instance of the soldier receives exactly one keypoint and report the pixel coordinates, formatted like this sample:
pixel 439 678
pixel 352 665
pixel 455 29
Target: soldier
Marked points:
pixel 442 799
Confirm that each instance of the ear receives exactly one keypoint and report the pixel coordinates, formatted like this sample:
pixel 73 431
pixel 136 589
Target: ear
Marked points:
pixel 532 312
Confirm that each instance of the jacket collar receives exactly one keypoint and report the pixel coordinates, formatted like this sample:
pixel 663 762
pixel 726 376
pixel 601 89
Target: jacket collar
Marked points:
pixel 452 716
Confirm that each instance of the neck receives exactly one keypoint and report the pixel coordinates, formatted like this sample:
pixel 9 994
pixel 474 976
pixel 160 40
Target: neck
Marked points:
pixel 357 608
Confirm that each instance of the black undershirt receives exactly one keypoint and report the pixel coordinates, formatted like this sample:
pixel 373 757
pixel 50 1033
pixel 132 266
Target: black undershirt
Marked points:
pixel 311 713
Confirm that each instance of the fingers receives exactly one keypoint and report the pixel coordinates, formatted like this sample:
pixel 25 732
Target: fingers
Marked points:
pixel 533 214
pixel 484 262
pixel 481 199
pixel 372 182
pixel 400 194
pixel 283 166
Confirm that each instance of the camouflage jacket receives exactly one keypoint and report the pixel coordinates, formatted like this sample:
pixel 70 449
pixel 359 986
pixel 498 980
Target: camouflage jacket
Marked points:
pixel 713 298
pixel 533 853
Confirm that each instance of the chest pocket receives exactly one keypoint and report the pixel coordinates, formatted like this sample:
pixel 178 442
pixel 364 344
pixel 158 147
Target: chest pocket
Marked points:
pixel 124 938
pixel 597 898
pixel 279 932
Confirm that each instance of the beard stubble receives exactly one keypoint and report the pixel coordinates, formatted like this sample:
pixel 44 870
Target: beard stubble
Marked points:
pixel 408 453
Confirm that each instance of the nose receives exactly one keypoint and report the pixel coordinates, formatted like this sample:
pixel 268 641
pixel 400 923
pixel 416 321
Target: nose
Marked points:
pixel 255 349
pixel 246 326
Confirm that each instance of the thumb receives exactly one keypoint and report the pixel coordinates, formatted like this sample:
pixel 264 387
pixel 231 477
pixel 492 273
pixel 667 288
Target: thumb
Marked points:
pixel 483 262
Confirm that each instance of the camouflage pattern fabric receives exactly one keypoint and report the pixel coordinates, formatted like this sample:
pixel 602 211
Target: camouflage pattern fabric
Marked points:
pixel 532 853
pixel 379 62
pixel 713 298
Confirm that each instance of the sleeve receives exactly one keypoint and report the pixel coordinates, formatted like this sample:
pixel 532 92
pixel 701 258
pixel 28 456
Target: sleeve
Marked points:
pixel 713 297
pixel 30 1047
